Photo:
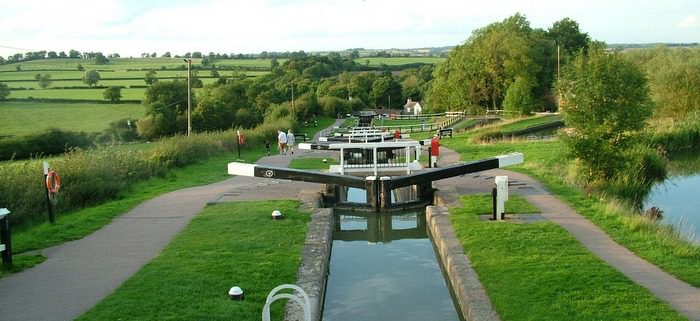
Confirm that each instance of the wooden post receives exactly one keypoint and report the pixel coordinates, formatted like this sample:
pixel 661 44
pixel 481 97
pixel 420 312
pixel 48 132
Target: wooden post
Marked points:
pixel 384 193
pixel 371 189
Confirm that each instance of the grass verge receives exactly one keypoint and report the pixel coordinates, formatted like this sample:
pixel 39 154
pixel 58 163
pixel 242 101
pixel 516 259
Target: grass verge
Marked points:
pixel 233 244
pixel 312 163
pixel 77 224
pixel 659 244
pixel 538 271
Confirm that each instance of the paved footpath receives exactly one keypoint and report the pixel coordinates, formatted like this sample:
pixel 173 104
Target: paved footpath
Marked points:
pixel 79 274
pixel 683 297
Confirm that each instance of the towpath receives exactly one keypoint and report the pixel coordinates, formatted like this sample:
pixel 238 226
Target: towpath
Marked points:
pixel 683 297
pixel 78 274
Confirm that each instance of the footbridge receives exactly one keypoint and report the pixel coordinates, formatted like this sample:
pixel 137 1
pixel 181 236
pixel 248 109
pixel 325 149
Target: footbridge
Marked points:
pixel 377 187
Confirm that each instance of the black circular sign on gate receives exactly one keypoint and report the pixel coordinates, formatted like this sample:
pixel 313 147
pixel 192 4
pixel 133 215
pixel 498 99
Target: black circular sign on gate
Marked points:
pixel 269 173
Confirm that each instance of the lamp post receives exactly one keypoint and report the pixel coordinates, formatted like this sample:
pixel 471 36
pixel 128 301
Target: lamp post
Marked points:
pixel 189 96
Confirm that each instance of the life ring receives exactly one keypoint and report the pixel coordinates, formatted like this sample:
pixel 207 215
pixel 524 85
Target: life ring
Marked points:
pixel 53 182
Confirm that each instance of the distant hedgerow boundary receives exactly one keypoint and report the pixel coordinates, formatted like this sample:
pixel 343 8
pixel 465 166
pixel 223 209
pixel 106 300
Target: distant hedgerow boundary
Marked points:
pixel 91 177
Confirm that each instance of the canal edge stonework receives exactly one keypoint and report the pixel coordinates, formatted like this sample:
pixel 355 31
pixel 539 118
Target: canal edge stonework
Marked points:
pixel 315 257
pixel 470 294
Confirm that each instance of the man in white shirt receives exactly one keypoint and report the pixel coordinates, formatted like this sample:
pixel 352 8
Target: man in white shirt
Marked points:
pixel 281 142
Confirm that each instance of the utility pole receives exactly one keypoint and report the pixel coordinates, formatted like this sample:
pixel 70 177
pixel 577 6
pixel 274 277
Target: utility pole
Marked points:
pixel 189 96
pixel 292 100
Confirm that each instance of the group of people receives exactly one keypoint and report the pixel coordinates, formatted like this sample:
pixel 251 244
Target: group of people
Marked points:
pixel 285 142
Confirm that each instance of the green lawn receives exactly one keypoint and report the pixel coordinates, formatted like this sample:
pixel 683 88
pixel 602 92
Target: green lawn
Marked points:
pixel 538 271
pixel 20 118
pixel 103 82
pixel 233 244
pixel 115 63
pixel 528 122
pixel 312 163
pixel 546 162
pixel 85 93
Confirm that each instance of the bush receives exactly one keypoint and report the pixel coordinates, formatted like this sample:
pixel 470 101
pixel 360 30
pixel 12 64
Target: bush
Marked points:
pixel 122 130
pixel 91 177
pixel 645 166
pixel 679 136
pixel 54 141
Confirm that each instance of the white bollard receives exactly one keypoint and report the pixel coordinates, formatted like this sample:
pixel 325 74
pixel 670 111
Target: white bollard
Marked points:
pixel 501 196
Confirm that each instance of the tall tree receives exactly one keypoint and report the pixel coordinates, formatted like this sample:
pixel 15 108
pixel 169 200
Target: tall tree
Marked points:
pixel 100 59
pixel 568 37
pixel 604 103
pixel 477 74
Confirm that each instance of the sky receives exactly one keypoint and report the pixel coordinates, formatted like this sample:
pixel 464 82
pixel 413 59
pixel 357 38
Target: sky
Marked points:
pixel 132 27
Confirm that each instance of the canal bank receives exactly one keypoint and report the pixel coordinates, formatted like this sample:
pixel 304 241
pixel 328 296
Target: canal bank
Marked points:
pixel 469 296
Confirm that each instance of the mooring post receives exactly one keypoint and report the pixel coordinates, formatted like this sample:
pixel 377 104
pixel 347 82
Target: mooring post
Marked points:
pixel 501 191
pixel 371 189
pixel 384 193
pixel 5 237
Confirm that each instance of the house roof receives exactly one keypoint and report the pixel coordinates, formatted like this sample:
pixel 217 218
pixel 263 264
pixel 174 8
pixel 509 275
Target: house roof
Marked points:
pixel 411 104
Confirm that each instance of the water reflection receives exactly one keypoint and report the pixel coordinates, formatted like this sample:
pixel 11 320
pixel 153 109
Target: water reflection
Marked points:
pixel 401 195
pixel 678 198
pixel 383 267
pixel 678 195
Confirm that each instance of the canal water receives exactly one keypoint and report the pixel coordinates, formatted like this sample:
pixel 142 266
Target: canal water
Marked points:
pixel 384 267
pixel 679 196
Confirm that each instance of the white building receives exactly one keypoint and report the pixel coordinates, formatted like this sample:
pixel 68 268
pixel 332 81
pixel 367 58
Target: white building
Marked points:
pixel 412 107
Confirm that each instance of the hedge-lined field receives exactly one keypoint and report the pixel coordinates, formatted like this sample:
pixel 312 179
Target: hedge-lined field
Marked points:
pixel 21 118
pixel 78 94
pixel 91 177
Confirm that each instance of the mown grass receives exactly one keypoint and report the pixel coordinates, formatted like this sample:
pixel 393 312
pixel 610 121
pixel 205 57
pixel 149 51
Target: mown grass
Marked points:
pixel 114 63
pixel 21 118
pixel 538 271
pixel 56 85
pixel 546 161
pixel 233 244
pixel 528 122
pixel 83 93
pixel 312 163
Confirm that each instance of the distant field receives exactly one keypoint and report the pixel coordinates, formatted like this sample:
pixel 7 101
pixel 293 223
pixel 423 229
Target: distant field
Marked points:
pixel 251 63
pixel 107 82
pixel 115 63
pixel 139 74
pixel 95 94
pixel 395 61
pixel 20 118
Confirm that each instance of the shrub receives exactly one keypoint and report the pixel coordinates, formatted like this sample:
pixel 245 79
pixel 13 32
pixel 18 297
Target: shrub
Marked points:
pixel 91 177
pixel 54 141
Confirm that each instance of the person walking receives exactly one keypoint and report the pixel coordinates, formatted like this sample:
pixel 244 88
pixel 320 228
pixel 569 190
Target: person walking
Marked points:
pixel 281 142
pixel 290 141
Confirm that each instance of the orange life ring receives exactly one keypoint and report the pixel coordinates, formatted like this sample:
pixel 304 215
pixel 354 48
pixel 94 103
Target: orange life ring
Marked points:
pixel 53 182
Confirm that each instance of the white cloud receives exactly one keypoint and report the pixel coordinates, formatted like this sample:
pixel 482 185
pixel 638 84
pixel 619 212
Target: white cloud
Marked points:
pixel 130 27
pixel 691 21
